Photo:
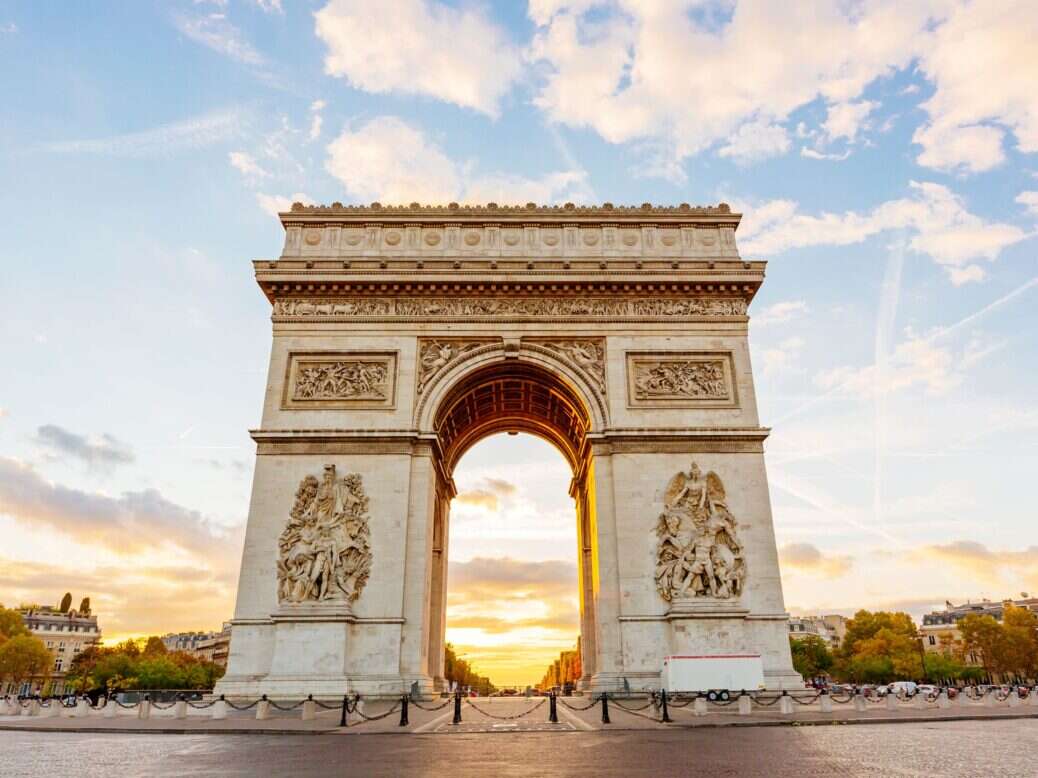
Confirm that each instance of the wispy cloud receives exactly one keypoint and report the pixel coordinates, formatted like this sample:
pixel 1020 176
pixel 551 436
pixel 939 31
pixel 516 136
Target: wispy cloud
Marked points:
pixel 806 558
pixel 215 32
pixel 197 132
pixel 102 452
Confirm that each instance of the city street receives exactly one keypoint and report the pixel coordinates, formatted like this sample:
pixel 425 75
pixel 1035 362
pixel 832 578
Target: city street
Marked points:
pixel 963 748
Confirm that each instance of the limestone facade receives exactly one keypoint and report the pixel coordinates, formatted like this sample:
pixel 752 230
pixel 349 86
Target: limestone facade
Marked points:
pixel 403 335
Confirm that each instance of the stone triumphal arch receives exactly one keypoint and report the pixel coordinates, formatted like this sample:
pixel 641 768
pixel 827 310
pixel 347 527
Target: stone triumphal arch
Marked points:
pixel 403 335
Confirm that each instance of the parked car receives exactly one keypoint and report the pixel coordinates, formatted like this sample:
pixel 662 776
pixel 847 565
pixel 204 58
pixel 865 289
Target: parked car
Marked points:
pixel 928 689
pixel 904 688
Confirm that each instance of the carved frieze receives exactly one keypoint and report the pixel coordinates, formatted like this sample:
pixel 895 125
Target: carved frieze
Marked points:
pixel 340 380
pixel 688 379
pixel 435 354
pixel 507 307
pixel 698 552
pixel 324 552
pixel 586 354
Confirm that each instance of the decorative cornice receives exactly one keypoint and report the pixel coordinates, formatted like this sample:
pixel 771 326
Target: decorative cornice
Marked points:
pixel 492 210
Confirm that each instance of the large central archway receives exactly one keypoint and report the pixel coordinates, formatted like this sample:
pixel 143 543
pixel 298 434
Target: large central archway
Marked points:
pixel 512 395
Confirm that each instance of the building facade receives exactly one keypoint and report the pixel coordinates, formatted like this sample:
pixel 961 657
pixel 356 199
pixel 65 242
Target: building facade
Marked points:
pixel 65 633
pixel 186 641
pixel 940 629
pixel 216 647
pixel 404 335
pixel 831 628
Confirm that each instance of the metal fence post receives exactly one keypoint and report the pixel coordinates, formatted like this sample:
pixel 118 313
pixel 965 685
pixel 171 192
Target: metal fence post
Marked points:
pixel 663 704
pixel 344 719
pixel 457 708
pixel 403 711
pixel 605 708
pixel 553 712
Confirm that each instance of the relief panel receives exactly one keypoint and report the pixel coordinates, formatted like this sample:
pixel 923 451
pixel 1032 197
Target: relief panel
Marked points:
pixel 338 379
pixel 686 379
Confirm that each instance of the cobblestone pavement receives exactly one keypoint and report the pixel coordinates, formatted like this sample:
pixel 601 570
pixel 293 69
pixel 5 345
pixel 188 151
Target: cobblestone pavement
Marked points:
pixel 909 750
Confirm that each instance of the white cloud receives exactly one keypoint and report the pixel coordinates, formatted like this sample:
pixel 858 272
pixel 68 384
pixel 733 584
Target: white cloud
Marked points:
pixel 419 47
pixel 917 361
pixel 316 120
pixel 270 6
pixel 246 164
pixel 215 32
pixel 982 62
pixel 845 120
pixel 754 141
pixel 195 132
pixel 388 160
pixel 10 28
pixel 806 558
pixel 782 358
pixel 274 204
pixel 780 312
pixel 942 229
pixel 1029 200
pixel 636 71
pixel 812 154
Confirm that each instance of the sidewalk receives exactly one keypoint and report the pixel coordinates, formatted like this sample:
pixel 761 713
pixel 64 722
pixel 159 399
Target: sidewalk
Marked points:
pixel 510 715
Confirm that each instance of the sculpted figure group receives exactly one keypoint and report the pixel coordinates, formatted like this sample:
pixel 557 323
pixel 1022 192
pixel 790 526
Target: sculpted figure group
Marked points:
pixel 324 550
pixel 698 552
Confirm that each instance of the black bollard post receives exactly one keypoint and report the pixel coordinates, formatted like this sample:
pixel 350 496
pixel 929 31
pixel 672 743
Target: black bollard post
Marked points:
pixel 605 708
pixel 457 708
pixel 553 711
pixel 403 711
pixel 344 720
pixel 663 703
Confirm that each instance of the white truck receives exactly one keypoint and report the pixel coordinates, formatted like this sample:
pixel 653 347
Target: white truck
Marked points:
pixel 714 674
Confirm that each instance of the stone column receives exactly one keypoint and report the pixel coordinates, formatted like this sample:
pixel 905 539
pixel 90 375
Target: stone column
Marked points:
pixel 606 572
pixel 415 608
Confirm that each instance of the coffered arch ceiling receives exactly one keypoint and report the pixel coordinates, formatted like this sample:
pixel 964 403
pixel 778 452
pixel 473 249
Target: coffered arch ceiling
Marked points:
pixel 512 396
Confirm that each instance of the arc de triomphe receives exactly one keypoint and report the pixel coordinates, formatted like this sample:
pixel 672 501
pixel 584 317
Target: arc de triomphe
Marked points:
pixel 403 335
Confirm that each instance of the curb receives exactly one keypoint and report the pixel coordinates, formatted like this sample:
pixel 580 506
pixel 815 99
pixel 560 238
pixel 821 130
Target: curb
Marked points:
pixel 611 727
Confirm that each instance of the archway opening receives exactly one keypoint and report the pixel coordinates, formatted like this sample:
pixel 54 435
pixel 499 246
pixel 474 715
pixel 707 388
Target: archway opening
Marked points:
pixel 517 594
pixel 513 603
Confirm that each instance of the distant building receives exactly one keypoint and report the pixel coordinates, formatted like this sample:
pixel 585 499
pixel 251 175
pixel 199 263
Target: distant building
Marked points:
pixel 65 632
pixel 216 647
pixel 185 641
pixel 940 629
pixel 830 628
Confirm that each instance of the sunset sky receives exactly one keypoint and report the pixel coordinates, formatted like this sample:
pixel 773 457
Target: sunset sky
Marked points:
pixel 885 155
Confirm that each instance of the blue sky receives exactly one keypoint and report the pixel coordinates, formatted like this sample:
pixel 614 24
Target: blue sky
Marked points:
pixel 885 156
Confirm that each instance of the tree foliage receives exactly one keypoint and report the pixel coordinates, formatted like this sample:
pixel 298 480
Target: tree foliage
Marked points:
pixel 811 655
pixel 11 624
pixel 459 670
pixel 564 671
pixel 23 657
pixel 1009 648
pixel 66 602
pixel 878 648
pixel 129 666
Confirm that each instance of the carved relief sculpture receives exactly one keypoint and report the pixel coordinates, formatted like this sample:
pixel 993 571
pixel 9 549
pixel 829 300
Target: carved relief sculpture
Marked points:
pixel 348 380
pixel 435 355
pixel 683 379
pixel 339 379
pixel 698 552
pixel 587 354
pixel 324 554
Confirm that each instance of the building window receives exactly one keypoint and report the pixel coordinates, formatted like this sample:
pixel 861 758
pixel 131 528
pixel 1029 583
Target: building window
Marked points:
pixel 50 644
pixel 933 640
pixel 57 665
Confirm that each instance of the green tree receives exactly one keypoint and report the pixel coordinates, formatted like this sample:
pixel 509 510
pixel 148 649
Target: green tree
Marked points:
pixel 154 646
pixel 24 657
pixel 984 636
pixel 811 655
pixel 11 624
pixel 66 602
pixel 879 647
pixel 84 606
pixel 1019 656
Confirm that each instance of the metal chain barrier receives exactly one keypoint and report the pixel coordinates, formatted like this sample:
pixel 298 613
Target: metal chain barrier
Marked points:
pixel 128 706
pixel 390 712
pixel 506 718
pixel 326 706
pixel 807 702
pixel 616 702
pixel 433 708
pixel 757 700
pixel 589 706
pixel 637 711
pixel 201 705
pixel 284 707
pixel 160 706
pixel 251 705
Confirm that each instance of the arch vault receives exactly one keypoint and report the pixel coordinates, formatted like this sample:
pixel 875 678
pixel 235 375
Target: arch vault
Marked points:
pixel 402 336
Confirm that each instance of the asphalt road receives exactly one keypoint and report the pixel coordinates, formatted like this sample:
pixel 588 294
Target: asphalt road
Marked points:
pixel 967 748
